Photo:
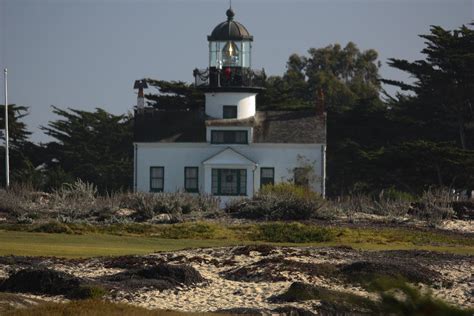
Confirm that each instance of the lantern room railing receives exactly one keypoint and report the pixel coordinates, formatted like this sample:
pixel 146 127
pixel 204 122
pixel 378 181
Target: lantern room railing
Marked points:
pixel 229 77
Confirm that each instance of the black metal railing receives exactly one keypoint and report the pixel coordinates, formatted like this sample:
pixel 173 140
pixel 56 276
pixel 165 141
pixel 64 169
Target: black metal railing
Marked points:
pixel 231 77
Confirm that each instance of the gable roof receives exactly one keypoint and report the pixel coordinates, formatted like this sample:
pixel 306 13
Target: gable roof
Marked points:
pixel 228 156
pixel 181 126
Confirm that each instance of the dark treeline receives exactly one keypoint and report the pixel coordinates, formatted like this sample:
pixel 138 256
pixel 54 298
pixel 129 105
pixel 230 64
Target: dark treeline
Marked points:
pixel 421 137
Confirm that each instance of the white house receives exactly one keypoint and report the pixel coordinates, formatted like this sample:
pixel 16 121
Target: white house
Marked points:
pixel 229 149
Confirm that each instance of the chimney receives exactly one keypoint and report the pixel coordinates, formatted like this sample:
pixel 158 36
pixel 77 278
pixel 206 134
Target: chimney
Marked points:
pixel 319 104
pixel 140 85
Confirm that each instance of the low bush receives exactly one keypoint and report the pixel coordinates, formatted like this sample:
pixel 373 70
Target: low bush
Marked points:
pixel 366 272
pixel 292 233
pixel 84 292
pixel 332 302
pixel 53 228
pixel 464 209
pixel 393 194
pixel 197 230
pixel 399 298
pixel 148 205
pixel 434 206
pixel 18 200
pixel 283 201
pixel 41 281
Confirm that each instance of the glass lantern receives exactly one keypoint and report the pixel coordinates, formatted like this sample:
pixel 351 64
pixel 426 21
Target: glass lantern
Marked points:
pixel 223 54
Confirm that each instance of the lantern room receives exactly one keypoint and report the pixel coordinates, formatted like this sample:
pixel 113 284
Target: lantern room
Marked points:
pixel 230 44
pixel 230 59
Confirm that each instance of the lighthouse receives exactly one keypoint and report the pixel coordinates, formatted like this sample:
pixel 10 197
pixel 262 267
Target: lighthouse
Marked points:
pixel 229 83
pixel 230 150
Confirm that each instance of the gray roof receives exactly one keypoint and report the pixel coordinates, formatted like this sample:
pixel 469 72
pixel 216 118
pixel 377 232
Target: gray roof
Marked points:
pixel 296 127
pixel 230 30
pixel 289 127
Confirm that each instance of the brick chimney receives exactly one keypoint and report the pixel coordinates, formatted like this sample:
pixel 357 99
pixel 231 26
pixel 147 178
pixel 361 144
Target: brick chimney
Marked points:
pixel 319 103
pixel 140 85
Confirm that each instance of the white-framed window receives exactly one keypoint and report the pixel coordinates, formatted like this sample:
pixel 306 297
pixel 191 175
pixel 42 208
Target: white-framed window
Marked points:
pixel 191 179
pixel 157 179
pixel 267 176
pixel 229 137
pixel 229 111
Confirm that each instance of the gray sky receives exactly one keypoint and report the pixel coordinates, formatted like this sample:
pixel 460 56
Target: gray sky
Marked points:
pixel 87 53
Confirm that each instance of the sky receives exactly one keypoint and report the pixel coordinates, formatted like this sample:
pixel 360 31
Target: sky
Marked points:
pixel 85 54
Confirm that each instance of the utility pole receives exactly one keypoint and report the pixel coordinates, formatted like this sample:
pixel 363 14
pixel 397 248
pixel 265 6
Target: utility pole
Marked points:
pixel 7 156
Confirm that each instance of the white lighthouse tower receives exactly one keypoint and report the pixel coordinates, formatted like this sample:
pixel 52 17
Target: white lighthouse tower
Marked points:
pixel 229 84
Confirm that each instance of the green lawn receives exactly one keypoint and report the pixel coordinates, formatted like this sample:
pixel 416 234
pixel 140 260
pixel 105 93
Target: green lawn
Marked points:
pixel 89 245
pixel 100 244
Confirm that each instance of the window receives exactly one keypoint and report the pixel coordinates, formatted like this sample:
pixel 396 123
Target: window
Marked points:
pixel 267 176
pixel 229 182
pixel 301 177
pixel 191 179
pixel 229 111
pixel 157 179
pixel 229 137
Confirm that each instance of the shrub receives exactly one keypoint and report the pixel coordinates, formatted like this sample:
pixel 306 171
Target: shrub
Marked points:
pixel 17 200
pixel 283 201
pixel 464 209
pixel 148 205
pixel 194 231
pixel 292 232
pixel 73 201
pixel 53 228
pixel 332 302
pixel 434 206
pixel 78 190
pixel 393 194
pixel 399 298
pixel 286 188
pixel 40 281
pixel 84 292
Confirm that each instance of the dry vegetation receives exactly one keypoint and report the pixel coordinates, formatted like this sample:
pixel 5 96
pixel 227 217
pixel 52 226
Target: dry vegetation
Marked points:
pixel 290 281
pixel 80 203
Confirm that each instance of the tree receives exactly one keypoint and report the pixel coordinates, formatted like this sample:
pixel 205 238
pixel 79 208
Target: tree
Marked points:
pixel 19 145
pixel 356 118
pixel 175 95
pixel 349 77
pixel 93 146
pixel 18 133
pixel 433 130
pixel 442 97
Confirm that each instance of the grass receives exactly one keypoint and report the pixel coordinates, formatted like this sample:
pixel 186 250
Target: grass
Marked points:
pixel 10 302
pixel 87 240
pixel 90 245
pixel 91 308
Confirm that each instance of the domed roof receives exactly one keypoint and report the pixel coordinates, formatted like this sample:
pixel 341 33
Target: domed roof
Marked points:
pixel 230 30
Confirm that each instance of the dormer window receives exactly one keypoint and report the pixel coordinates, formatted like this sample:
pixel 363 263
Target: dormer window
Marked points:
pixel 229 111
pixel 229 137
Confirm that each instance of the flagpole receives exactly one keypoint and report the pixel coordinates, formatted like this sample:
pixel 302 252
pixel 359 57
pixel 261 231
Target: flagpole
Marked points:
pixel 7 156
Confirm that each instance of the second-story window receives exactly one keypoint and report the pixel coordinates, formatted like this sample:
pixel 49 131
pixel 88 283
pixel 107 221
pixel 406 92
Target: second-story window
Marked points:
pixel 229 137
pixel 229 111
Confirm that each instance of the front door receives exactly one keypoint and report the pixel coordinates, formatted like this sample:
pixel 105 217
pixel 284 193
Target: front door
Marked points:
pixel 229 182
